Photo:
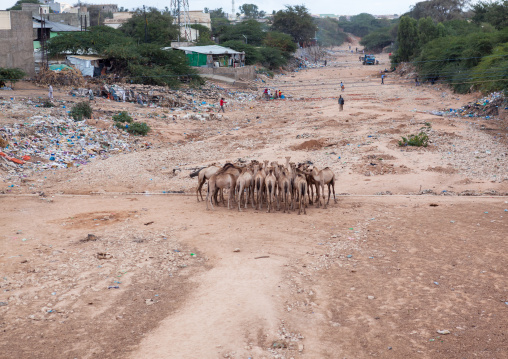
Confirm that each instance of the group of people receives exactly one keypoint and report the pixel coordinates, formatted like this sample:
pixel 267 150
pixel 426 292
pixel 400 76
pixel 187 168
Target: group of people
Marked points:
pixel 276 94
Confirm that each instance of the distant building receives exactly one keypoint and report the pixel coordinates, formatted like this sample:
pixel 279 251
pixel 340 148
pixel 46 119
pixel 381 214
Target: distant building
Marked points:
pixel 59 7
pixel 74 17
pixel 213 56
pixel 199 17
pixel 119 18
pixel 16 41
pixel 52 29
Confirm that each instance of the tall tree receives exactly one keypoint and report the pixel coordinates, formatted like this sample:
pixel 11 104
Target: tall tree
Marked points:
pixel 492 12
pixel 439 10
pixel 427 31
pixel 251 11
pixel 407 38
pixel 295 21
pixel 160 27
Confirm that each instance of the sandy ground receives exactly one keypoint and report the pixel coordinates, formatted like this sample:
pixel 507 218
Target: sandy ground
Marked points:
pixel 106 265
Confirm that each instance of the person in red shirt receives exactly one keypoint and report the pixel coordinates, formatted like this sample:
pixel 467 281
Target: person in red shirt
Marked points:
pixel 222 102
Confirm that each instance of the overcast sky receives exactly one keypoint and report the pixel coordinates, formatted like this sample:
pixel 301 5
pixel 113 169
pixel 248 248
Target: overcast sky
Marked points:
pixel 374 7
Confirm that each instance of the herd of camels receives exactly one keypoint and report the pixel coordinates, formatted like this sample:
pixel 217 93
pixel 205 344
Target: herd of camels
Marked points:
pixel 259 182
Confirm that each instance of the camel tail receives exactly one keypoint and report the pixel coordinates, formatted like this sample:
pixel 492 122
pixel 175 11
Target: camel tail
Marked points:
pixel 258 184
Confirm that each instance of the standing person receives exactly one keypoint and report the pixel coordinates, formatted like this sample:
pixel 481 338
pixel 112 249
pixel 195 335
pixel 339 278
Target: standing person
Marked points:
pixel 140 99
pixel 269 93
pixel 341 103
pixel 416 81
pixel 221 103
pixel 356 50
pixel 342 86
pixel 382 79
pixel 90 95
pixel 280 94
pixel 266 93
pixel 50 94
pixel 325 62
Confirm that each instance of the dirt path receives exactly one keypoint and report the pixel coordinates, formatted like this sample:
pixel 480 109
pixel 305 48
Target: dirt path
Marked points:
pixel 415 245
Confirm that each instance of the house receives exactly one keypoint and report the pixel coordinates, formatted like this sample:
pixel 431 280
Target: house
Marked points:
pixel 16 40
pixel 77 17
pixel 51 29
pixel 59 7
pixel 119 18
pixel 213 56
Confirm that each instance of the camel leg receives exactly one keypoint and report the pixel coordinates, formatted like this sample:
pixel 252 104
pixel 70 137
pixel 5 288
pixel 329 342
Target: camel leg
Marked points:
pixel 240 199
pixel 323 194
pixel 333 187
pixel 198 190
pixel 329 193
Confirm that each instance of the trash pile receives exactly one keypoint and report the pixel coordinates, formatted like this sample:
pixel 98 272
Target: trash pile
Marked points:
pixel 67 76
pixel 487 107
pixel 51 143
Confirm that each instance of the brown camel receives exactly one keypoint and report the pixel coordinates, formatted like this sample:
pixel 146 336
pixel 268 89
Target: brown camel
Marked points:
pixel 301 192
pixel 205 174
pixel 271 188
pixel 221 181
pixel 245 182
pixel 284 190
pixel 322 178
pixel 259 185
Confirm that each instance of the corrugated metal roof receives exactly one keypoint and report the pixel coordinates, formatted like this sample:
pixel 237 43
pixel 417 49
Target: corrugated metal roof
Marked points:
pixel 209 50
pixel 86 57
pixel 55 26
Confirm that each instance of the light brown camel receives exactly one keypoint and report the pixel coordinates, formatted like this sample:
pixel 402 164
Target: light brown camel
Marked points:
pixel 301 192
pixel 284 190
pixel 322 178
pixel 259 185
pixel 271 188
pixel 245 182
pixel 224 181
pixel 203 175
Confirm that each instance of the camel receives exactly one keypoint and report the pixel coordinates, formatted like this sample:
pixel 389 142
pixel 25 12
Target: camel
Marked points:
pixel 322 178
pixel 287 162
pixel 231 169
pixel 271 188
pixel 259 185
pixel 220 181
pixel 301 192
pixel 203 175
pixel 245 182
pixel 284 190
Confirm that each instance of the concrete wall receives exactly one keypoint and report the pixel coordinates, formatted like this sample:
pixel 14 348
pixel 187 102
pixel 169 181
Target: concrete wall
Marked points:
pixel 16 44
pixel 67 18
pixel 245 73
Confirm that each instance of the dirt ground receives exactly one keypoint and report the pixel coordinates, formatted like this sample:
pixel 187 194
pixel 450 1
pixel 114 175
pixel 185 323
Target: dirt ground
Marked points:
pixel 102 261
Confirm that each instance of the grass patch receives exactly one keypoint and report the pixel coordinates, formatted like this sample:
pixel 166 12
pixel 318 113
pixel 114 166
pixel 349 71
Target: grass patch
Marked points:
pixel 419 140
pixel 47 104
pixel 81 110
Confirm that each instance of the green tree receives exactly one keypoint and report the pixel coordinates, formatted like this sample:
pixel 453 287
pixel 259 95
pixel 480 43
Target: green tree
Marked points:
pixel 217 13
pixel 407 38
pixel 204 35
pixel 281 41
pixel 439 10
pixel 427 30
pixel 253 30
pixel 272 57
pixel 377 40
pixel 494 13
pixel 17 5
pixel 160 27
pixel 82 42
pixel 295 21
pixel 251 11
pixel 329 33
pixel 362 24
pixel 252 54
pixel 10 75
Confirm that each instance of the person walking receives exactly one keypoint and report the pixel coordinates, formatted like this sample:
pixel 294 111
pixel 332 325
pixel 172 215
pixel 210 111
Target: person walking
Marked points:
pixel 382 79
pixel 50 93
pixel 341 103
pixel 221 103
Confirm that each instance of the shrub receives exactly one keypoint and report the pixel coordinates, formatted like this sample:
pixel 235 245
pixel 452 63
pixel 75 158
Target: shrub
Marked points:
pixel 47 104
pixel 10 75
pixel 138 128
pixel 81 110
pixel 122 117
pixel 419 140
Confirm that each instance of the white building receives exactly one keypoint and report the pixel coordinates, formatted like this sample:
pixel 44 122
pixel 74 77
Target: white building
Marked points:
pixel 59 7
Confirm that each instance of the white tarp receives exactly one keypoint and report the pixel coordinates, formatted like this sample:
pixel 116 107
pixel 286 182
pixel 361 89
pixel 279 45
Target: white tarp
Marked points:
pixel 83 64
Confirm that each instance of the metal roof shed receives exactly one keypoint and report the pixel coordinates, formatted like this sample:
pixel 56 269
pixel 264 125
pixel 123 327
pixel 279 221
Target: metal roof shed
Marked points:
pixel 208 55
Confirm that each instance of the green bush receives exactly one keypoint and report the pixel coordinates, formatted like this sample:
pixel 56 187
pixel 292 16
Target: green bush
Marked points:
pixel 47 104
pixel 419 140
pixel 81 110
pixel 272 57
pixel 122 117
pixel 10 75
pixel 138 128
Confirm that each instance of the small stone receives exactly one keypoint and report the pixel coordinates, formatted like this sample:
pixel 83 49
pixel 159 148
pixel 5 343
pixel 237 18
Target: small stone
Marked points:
pixel 237 250
pixel 300 347
pixel 444 332
pixel 371 297
pixel 149 301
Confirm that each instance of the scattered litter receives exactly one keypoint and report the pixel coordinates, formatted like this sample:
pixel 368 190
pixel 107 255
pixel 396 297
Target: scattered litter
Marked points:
pixel 444 332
